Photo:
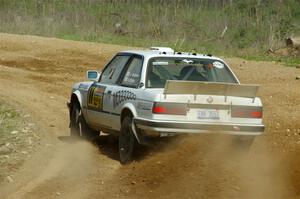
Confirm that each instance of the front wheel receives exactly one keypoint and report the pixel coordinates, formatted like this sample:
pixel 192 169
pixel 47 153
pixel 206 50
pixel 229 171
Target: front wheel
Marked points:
pixel 78 126
pixel 126 141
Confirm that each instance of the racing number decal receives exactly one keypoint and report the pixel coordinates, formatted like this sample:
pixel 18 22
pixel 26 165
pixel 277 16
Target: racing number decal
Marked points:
pixel 95 97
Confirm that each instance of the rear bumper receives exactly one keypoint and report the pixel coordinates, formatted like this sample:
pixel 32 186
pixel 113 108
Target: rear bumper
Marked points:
pixel 174 127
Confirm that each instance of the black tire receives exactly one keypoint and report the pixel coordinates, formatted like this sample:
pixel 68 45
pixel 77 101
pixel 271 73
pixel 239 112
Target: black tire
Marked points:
pixel 127 141
pixel 79 127
pixel 243 143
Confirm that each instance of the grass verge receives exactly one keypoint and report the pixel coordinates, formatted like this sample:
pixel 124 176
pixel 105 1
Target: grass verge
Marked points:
pixel 9 122
pixel 288 61
pixel 16 140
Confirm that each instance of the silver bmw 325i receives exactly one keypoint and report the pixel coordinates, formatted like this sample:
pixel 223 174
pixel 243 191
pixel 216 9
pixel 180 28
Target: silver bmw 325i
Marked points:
pixel 158 92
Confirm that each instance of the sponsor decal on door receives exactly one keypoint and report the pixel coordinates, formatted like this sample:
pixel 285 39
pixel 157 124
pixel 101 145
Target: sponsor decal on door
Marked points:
pixel 95 97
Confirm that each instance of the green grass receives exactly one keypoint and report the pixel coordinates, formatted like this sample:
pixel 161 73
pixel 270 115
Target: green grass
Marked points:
pixel 288 61
pixel 13 145
pixel 9 121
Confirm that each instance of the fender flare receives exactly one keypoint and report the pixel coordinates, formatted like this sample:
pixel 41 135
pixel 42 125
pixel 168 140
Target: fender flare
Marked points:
pixel 77 94
pixel 130 107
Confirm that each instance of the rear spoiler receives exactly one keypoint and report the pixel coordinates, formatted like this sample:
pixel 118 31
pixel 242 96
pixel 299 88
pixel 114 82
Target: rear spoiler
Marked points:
pixel 210 88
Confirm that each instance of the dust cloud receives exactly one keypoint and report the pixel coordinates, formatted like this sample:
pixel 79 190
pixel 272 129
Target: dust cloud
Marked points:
pixel 71 166
pixel 66 173
pixel 209 166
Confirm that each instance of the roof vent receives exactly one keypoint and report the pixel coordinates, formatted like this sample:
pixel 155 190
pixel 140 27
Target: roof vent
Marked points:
pixel 162 49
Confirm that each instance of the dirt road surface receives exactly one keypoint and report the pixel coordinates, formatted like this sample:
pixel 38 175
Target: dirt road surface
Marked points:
pixel 36 75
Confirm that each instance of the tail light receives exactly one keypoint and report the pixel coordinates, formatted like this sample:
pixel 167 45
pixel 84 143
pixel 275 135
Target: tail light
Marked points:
pixel 169 108
pixel 246 112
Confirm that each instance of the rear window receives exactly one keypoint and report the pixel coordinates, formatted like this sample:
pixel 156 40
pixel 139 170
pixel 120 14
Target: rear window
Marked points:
pixel 161 69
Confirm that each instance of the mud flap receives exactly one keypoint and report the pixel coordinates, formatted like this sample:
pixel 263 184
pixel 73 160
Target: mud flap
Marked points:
pixel 139 137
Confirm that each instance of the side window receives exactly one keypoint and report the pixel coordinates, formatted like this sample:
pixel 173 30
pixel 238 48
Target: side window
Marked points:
pixel 133 73
pixel 112 72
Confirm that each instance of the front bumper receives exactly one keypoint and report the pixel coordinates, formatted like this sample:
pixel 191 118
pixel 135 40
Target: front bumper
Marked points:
pixel 174 127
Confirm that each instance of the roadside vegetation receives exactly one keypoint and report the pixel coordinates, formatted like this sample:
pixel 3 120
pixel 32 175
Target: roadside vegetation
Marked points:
pixel 16 139
pixel 224 27
pixel 9 122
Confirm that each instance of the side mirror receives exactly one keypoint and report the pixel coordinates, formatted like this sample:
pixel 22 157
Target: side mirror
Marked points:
pixel 93 75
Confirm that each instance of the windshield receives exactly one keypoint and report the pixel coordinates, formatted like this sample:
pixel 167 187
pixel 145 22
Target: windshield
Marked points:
pixel 161 69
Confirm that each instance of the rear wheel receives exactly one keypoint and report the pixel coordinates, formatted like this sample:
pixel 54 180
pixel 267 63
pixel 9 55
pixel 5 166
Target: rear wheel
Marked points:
pixel 79 127
pixel 127 141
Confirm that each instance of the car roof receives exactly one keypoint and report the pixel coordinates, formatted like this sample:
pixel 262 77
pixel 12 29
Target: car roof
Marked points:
pixel 157 53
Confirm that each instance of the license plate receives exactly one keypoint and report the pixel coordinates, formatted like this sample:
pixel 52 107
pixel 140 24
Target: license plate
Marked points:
pixel 208 114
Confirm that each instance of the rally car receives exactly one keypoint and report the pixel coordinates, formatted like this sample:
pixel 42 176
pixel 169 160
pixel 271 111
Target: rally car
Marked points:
pixel 158 92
